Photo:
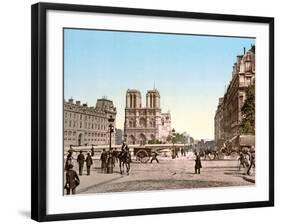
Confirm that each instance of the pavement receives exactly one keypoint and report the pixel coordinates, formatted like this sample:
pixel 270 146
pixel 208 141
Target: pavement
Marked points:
pixel 168 174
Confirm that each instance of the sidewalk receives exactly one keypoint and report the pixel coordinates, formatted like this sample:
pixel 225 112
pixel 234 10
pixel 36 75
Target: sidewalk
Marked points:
pixel 96 177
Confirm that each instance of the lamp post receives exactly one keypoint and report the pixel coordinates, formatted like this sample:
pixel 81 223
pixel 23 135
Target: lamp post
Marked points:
pixel 110 159
pixel 173 141
pixel 111 129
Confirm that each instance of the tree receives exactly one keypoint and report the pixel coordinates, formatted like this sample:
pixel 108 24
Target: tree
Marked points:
pixel 154 141
pixel 169 138
pixel 247 125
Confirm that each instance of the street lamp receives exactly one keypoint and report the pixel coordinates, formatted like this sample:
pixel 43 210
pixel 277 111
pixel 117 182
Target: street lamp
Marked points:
pixel 173 141
pixel 111 129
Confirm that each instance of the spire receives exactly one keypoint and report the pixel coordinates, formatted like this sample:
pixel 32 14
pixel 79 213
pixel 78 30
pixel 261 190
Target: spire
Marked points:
pixel 154 85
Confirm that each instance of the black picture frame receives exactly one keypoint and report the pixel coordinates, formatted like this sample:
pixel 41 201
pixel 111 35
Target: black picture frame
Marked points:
pixel 39 108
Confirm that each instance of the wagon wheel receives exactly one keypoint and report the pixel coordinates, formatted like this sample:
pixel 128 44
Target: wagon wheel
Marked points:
pixel 142 156
pixel 211 156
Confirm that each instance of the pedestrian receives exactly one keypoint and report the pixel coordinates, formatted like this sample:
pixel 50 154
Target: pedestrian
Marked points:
pixel 177 152
pixel 81 160
pixel 92 151
pixel 181 151
pixel 198 165
pixel 252 161
pixel 109 162
pixel 89 163
pixel 103 159
pixel 115 155
pixel 72 180
pixel 154 157
pixel 241 160
pixel 68 161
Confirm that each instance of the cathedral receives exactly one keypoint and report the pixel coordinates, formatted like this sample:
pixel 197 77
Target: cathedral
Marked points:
pixel 145 124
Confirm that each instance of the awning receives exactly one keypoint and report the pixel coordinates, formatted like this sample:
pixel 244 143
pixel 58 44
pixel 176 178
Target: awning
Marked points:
pixel 247 140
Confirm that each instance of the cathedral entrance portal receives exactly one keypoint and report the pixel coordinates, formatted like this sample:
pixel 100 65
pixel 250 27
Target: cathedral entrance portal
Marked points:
pixel 142 139
pixel 132 140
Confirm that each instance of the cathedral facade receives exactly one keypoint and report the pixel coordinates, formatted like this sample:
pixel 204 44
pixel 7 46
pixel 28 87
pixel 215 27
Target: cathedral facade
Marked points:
pixel 145 124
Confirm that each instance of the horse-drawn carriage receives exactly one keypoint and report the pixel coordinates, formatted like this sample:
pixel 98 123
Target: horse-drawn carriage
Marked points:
pixel 231 148
pixel 142 154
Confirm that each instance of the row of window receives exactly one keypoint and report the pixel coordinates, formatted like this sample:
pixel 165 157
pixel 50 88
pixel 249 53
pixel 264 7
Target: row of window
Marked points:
pixel 89 134
pixel 84 117
pixel 87 140
pixel 132 124
pixel 87 125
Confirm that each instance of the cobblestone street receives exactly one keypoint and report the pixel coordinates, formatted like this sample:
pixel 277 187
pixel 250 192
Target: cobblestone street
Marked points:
pixel 168 174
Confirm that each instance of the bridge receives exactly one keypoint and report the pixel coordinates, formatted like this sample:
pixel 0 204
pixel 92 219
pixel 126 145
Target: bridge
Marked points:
pixel 131 147
pixel 139 152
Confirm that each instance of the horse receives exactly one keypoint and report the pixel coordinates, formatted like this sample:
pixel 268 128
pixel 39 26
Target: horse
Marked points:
pixel 124 159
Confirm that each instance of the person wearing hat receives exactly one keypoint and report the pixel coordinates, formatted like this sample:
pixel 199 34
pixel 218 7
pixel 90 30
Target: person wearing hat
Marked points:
pixel 198 165
pixel 92 150
pixel 89 163
pixel 252 159
pixel 241 160
pixel 72 180
pixel 109 161
pixel 68 161
pixel 154 157
pixel 80 160
pixel 103 158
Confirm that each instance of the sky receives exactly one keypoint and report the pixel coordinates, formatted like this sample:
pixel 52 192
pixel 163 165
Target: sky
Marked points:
pixel 191 72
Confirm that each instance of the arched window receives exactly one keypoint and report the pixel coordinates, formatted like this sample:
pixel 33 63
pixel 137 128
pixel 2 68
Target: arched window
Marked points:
pixel 135 101
pixel 142 122
pixel 131 101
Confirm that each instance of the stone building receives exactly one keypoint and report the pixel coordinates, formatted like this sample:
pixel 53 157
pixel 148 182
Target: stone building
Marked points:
pixel 228 114
pixel 219 134
pixel 84 125
pixel 144 124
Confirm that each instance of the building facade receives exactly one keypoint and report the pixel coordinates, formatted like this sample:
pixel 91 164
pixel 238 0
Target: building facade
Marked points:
pixel 228 114
pixel 84 125
pixel 219 134
pixel 144 124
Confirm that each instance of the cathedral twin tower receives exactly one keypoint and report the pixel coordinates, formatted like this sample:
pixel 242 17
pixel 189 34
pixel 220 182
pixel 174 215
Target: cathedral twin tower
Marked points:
pixel 133 99
pixel 145 124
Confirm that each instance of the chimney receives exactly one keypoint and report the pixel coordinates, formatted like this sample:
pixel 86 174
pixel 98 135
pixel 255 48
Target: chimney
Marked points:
pixel 78 103
pixel 85 105
pixel 244 50
pixel 70 101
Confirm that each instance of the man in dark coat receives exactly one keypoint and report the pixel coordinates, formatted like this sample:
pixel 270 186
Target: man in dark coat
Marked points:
pixel 198 165
pixel 68 161
pixel 89 163
pixel 115 155
pixel 92 151
pixel 103 158
pixel 81 160
pixel 241 160
pixel 252 162
pixel 72 180
pixel 109 162
pixel 154 157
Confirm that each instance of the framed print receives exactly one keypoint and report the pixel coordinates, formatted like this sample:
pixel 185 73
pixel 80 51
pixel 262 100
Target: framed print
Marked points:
pixel 140 111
